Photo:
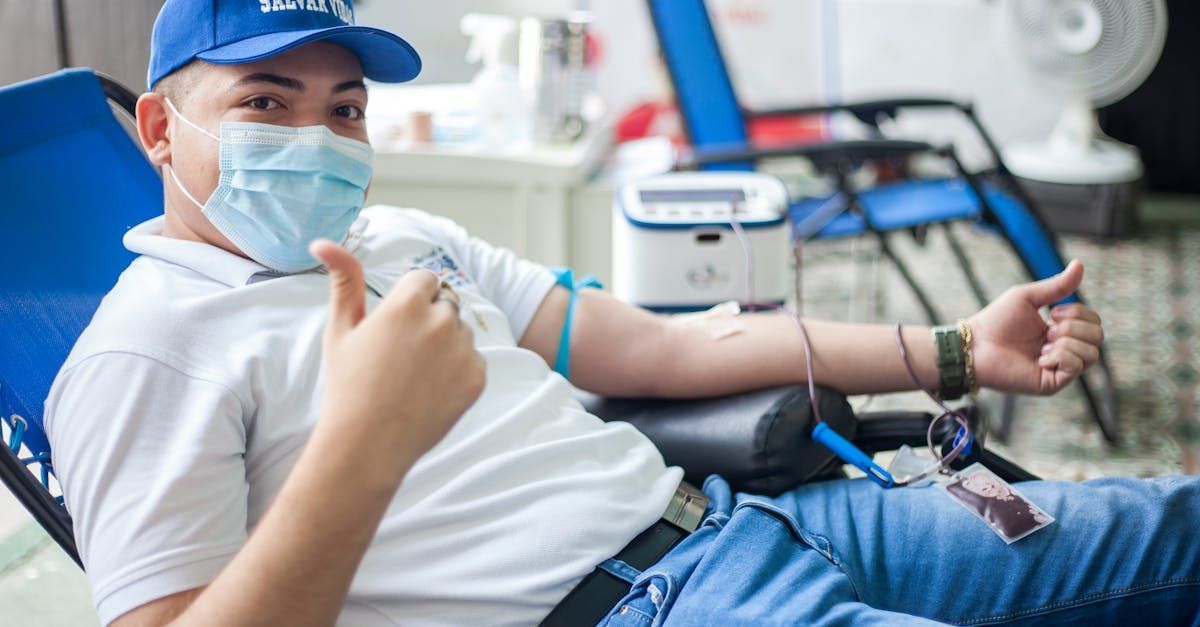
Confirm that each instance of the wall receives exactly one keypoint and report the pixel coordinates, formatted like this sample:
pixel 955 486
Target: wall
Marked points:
pixel 109 36
pixel 432 28
pixel 28 45
pixel 832 48
pixel 629 70
pixel 112 37
pixel 786 52
pixel 755 35
pixel 1162 117
pixel 940 47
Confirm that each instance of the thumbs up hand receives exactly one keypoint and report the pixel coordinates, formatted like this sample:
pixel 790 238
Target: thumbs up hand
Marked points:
pixel 1017 350
pixel 408 370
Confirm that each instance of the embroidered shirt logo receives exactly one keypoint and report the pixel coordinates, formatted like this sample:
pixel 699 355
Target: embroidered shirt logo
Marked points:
pixel 439 262
pixel 338 8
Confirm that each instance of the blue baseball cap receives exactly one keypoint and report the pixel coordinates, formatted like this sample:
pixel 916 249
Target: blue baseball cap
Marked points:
pixel 241 31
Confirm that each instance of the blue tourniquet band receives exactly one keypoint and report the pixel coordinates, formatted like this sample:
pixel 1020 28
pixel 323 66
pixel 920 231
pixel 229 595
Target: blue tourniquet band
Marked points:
pixel 566 278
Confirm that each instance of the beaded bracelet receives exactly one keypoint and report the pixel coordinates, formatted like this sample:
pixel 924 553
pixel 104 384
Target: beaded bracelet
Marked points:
pixel 968 344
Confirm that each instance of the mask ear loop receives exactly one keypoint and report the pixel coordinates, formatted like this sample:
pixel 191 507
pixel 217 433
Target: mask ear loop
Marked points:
pixel 171 106
pixel 179 184
pixel 167 166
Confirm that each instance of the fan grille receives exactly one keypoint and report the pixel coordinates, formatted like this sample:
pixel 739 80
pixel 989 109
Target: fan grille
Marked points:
pixel 1121 43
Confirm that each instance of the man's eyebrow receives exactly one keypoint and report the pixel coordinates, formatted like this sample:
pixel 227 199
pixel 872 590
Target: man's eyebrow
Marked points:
pixel 274 79
pixel 348 85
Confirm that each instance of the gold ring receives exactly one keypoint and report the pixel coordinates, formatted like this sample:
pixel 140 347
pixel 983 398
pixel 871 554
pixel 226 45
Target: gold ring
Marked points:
pixel 447 293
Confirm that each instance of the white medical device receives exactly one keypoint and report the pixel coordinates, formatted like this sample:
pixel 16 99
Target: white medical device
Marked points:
pixel 674 248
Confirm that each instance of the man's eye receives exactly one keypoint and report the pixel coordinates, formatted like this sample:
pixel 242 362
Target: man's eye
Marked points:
pixel 262 103
pixel 350 112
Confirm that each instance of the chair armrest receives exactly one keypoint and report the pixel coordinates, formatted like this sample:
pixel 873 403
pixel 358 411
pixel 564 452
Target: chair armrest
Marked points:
pixel 761 441
pixel 821 154
pixel 758 441
pixel 1006 469
pixel 889 430
pixel 867 111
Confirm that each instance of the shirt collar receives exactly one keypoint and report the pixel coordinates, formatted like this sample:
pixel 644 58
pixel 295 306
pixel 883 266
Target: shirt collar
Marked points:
pixel 214 262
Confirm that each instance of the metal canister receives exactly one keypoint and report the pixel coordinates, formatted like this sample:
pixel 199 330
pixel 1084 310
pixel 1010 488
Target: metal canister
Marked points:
pixel 555 77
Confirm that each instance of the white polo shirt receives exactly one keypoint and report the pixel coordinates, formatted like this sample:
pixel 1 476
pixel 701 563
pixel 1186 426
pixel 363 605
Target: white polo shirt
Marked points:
pixel 187 400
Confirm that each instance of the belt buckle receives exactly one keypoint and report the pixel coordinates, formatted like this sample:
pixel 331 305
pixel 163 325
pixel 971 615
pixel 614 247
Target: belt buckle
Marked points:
pixel 686 508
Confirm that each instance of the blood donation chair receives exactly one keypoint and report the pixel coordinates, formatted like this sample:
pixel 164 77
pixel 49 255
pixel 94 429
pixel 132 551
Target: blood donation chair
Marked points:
pixel 72 182
pixel 717 127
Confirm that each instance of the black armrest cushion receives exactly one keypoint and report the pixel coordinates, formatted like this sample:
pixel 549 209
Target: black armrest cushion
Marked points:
pixel 759 441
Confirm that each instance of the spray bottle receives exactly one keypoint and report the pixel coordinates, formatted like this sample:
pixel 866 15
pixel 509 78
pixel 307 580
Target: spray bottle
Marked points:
pixel 503 116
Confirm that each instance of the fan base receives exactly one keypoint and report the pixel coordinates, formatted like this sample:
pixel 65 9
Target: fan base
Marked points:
pixel 1108 210
pixel 1099 162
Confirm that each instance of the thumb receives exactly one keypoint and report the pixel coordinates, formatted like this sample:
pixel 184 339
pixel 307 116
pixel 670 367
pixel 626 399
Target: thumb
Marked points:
pixel 1051 290
pixel 347 298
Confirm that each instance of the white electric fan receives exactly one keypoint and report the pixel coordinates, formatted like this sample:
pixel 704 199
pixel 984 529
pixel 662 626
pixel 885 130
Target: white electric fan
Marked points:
pixel 1092 53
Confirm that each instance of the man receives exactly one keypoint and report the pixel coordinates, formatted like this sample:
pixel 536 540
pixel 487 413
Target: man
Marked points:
pixel 240 445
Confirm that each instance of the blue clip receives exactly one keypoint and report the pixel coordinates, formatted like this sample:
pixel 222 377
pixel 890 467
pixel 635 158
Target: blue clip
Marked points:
pixel 852 455
pixel 962 432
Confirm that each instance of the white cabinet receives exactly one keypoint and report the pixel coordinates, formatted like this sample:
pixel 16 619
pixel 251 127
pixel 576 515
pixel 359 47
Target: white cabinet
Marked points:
pixel 539 202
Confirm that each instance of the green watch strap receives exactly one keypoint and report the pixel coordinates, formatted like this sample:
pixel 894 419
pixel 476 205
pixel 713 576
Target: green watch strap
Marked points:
pixel 951 362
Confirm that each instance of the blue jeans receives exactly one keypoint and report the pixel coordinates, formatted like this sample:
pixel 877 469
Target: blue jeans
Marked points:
pixel 1122 551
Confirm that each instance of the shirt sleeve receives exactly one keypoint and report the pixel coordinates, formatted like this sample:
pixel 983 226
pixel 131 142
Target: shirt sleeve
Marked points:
pixel 517 286
pixel 151 464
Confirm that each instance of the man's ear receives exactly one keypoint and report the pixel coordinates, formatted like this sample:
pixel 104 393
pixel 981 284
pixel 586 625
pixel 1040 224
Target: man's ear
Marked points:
pixel 152 127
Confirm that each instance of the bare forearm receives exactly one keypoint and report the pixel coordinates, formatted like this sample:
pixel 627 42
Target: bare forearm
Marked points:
pixel 297 565
pixel 618 350
pixel 767 350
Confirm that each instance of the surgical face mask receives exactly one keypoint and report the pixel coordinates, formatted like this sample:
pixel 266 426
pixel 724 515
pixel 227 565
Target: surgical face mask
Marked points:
pixel 282 187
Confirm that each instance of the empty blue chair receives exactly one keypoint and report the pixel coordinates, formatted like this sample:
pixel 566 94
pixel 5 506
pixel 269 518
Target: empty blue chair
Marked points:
pixel 71 183
pixel 716 125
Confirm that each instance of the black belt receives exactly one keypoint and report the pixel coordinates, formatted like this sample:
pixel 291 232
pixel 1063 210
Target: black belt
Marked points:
pixel 590 600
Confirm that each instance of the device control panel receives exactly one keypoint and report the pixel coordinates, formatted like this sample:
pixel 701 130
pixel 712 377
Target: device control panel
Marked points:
pixel 690 199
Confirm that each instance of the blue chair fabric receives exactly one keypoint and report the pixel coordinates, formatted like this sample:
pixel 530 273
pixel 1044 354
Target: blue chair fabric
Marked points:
pixel 911 203
pixel 918 202
pixel 72 181
pixel 707 101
